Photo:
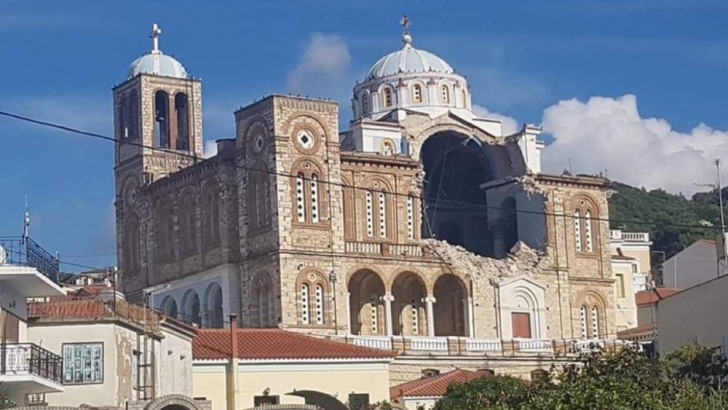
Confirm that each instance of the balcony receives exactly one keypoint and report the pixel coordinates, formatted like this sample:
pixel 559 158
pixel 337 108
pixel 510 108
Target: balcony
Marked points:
pixel 636 237
pixel 465 346
pixel 385 249
pixel 29 369
pixel 23 251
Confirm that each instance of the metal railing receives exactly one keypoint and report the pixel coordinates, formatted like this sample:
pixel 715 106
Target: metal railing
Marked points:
pixel 24 251
pixel 30 359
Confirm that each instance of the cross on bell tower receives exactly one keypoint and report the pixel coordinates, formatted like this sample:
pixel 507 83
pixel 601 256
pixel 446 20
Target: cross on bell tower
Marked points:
pixel 154 35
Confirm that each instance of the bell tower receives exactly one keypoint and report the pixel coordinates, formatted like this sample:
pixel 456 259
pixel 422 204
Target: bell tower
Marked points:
pixel 158 131
pixel 157 117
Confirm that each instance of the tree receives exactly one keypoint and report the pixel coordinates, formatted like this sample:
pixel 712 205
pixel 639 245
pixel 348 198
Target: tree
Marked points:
pixel 5 401
pixel 692 378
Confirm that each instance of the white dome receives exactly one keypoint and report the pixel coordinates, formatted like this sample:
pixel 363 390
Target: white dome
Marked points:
pixel 408 60
pixel 157 63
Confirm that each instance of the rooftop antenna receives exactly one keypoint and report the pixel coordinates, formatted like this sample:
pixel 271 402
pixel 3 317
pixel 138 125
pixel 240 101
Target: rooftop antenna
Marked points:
pixel 26 221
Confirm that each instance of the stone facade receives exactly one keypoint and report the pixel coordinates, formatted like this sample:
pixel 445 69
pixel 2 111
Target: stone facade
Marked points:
pixel 420 221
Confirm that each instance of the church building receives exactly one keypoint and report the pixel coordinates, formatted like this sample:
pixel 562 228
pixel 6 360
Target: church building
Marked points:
pixel 422 228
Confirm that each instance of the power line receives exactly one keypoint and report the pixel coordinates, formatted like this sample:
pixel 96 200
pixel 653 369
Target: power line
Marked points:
pixel 330 183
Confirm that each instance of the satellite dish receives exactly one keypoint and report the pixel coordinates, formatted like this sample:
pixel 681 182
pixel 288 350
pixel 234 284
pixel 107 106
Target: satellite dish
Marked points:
pixel 3 256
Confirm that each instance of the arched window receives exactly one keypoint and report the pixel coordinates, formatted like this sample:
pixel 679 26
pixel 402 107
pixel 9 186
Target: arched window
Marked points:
pixel 585 230
pixel 305 305
pixel 161 119
pixel 349 212
pixel 191 305
pixel 263 310
pixel 211 216
pixel 132 126
pixel 188 223
pixel 445 93
pixel 364 97
pixel 416 94
pixel 165 232
pixel 309 206
pixel 410 217
pixel 312 299
pixel 590 318
pixel 387 147
pixel 465 99
pixel 387 97
pixel 132 245
pixel 122 117
pixel 259 197
pixel 181 110
pixel 377 212
pixel 169 306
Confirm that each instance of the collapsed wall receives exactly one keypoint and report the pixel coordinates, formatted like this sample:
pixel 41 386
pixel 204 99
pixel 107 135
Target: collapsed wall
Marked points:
pixel 521 260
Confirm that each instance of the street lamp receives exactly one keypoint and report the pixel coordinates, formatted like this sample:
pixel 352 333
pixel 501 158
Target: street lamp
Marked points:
pixel 332 280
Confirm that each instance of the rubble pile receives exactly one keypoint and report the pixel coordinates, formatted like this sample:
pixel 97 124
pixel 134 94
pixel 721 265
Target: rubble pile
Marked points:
pixel 522 260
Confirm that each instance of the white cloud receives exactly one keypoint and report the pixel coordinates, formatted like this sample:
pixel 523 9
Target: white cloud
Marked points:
pixel 209 149
pixel 324 67
pixel 509 125
pixel 609 134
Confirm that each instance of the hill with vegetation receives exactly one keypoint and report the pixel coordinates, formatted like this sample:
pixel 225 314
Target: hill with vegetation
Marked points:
pixel 673 221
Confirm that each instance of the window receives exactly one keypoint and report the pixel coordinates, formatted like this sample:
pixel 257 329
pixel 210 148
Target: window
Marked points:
pixel 590 322
pixel 387 147
pixel 135 381
pixel 364 103
pixel 377 212
pixel 634 268
pixel 358 401
pixel 465 99
pixel 387 97
pixel 211 217
pixel 308 196
pixel 417 93
pixel 620 284
pixel 83 363
pixel 445 94
pixel 410 217
pixel 265 400
pixel 305 318
pixel 312 304
pixel 584 229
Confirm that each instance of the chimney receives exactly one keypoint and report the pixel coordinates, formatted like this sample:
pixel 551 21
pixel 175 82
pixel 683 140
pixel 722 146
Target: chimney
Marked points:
pixel 233 336
pixel 232 392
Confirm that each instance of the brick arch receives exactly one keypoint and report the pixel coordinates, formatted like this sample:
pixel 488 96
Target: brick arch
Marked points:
pixel 464 280
pixel 172 400
pixel 390 197
pixel 590 203
pixel 129 183
pixel 371 179
pixel 404 270
pixel 257 121
pixel 294 122
pixel 375 270
pixel 590 298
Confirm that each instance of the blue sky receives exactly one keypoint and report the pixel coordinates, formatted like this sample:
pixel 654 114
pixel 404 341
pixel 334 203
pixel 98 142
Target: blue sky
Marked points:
pixel 635 74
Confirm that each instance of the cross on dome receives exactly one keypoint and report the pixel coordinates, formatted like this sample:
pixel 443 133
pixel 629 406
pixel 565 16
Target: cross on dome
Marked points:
pixel 154 35
pixel 406 23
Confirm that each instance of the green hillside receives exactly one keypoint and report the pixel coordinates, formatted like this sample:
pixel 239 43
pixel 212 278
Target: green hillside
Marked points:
pixel 673 221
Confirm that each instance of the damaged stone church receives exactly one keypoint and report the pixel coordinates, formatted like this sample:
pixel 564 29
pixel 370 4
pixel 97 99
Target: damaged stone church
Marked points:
pixel 422 228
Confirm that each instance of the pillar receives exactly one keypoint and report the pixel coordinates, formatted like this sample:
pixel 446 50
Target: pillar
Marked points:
pixel 471 319
pixel 348 313
pixel 430 315
pixel 388 299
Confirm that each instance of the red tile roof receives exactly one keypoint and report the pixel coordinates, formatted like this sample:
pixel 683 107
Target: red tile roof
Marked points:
pixel 648 297
pixel 73 309
pixel 433 386
pixel 277 344
pixel 639 332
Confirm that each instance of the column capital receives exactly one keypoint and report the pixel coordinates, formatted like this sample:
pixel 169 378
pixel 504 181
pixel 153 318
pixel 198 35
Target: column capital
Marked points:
pixel 429 299
pixel 387 298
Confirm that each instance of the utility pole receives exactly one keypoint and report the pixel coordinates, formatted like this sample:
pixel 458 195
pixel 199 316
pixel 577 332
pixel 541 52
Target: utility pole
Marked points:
pixel 722 260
